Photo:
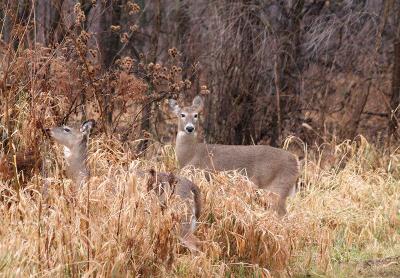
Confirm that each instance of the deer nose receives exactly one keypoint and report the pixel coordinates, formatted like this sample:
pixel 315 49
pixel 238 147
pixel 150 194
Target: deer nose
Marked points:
pixel 190 129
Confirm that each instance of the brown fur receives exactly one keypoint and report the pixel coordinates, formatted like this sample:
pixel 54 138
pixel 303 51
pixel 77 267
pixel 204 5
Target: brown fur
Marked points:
pixel 269 168
pixel 166 185
pixel 75 141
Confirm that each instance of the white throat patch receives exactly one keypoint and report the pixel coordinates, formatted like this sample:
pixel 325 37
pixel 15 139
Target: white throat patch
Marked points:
pixel 181 133
pixel 67 152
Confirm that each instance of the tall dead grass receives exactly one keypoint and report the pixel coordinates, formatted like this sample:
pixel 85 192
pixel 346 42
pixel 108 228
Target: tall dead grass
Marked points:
pixel 339 218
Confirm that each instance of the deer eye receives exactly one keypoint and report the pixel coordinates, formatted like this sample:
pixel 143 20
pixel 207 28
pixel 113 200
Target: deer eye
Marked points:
pixel 195 116
pixel 66 129
pixel 183 115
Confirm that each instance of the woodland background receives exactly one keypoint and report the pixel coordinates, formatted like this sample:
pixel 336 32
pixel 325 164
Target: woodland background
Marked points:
pixel 319 77
pixel 314 69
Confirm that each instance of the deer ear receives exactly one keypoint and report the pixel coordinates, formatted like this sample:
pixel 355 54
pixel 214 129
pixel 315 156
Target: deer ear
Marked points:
pixel 198 103
pixel 173 105
pixel 87 126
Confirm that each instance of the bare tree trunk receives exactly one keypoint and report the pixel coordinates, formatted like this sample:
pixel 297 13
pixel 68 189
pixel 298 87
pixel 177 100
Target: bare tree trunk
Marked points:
pixel 109 48
pixel 394 113
pixel 47 18
pixel 288 68
pixel 146 112
pixel 350 128
pixel 182 36
pixel 277 135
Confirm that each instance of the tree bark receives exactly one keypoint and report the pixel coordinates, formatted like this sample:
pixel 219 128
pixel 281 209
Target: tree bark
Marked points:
pixel 110 44
pixel 350 129
pixel 146 112
pixel 288 68
pixel 394 113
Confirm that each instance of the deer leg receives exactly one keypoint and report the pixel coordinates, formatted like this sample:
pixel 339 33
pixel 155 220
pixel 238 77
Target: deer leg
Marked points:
pixel 282 187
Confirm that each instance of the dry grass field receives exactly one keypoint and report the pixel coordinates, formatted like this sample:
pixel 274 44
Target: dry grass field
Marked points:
pixel 344 221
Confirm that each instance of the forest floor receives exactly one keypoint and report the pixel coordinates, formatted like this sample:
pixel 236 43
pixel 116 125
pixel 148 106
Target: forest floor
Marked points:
pixel 344 221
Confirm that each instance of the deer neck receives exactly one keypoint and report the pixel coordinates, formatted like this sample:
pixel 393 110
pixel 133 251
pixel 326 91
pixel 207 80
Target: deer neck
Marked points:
pixel 186 145
pixel 76 162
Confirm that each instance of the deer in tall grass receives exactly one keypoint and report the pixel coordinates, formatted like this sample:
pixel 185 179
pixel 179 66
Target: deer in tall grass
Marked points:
pixel 268 168
pixel 167 186
pixel 75 143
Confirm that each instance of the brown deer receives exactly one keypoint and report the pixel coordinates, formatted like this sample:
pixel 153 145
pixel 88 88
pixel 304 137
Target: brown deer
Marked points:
pixel 269 168
pixel 166 186
pixel 75 143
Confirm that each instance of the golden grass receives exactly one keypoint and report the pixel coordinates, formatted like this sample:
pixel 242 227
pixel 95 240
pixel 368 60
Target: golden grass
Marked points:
pixel 342 223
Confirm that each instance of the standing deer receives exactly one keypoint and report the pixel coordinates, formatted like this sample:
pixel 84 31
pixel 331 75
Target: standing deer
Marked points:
pixel 166 186
pixel 269 168
pixel 75 143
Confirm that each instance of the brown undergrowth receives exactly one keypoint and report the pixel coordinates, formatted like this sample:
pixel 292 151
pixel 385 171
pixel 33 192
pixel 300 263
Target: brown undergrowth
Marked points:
pixel 339 218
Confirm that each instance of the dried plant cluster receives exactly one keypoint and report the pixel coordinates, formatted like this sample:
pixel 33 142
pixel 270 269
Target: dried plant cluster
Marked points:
pixel 65 81
pixel 344 221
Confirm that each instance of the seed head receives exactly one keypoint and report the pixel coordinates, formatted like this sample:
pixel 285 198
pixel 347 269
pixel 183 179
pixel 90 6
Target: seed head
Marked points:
pixel 115 28
pixel 134 8
pixel 124 37
pixel 188 84
pixel 134 28
pixel 79 14
pixel 173 52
